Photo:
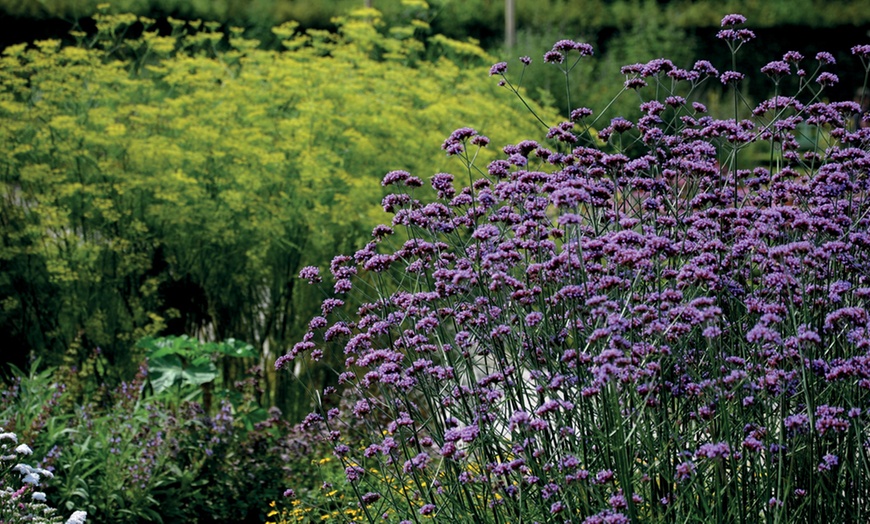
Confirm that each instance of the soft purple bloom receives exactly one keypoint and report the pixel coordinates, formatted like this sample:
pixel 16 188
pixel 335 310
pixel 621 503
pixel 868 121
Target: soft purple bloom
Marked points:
pixel 825 58
pixel 734 35
pixel 827 79
pixel 635 83
pixel 395 176
pixel 717 450
pixel 732 20
pixel 792 56
pixel 310 273
pixel 370 498
pixel 618 501
pixel 829 461
pixel 498 69
pixel 580 113
pixel 705 67
pixel 776 68
pixel 729 77
pixel 553 57
pixel 620 125
pixel 533 319
pixel 479 140
pixel 427 509
pixel 685 470
pixel 354 473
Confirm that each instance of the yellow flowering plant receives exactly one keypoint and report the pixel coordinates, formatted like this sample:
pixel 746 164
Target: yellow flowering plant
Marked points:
pixel 175 183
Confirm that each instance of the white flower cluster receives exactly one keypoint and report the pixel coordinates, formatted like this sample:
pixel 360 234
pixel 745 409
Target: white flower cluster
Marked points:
pixel 14 507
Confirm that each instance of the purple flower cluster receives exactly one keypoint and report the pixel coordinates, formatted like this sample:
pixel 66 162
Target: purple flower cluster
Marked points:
pixel 656 315
pixel 562 48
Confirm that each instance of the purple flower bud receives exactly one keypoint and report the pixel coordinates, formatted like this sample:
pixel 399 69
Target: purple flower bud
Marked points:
pixel 827 79
pixel 829 461
pixel 731 77
pixel 553 57
pixel 705 67
pixel 353 473
pixel 395 176
pixel 732 20
pixel 310 273
pixel 776 68
pixel 635 83
pixel 825 58
pixel 498 69
pixel 580 113
pixel 792 56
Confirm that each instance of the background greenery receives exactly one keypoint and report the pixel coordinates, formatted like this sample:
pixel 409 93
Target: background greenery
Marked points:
pixel 168 176
pixel 164 176
pixel 176 184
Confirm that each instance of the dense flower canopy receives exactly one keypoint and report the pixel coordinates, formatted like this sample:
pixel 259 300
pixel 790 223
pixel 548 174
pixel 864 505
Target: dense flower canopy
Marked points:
pixel 613 326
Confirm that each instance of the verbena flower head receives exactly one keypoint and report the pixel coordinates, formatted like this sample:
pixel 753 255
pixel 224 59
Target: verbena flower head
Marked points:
pixel 825 58
pixel 729 77
pixel 732 20
pixel 554 57
pixel 498 69
pixel 827 79
pixel 736 35
pixel 776 68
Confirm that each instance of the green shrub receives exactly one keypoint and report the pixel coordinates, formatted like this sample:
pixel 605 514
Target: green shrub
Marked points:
pixel 125 455
pixel 163 184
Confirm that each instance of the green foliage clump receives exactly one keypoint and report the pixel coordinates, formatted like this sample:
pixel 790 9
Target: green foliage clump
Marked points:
pixel 175 184
pixel 454 17
pixel 127 454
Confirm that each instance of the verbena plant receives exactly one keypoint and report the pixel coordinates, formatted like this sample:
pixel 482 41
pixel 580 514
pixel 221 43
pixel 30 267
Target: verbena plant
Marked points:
pixel 622 326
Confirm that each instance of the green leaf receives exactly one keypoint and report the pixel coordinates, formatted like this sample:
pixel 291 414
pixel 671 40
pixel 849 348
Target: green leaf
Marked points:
pixel 199 374
pixel 237 348
pixel 164 372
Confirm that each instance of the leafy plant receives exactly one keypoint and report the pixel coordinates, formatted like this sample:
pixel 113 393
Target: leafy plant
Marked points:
pixel 169 184
pixel 188 366
pixel 127 455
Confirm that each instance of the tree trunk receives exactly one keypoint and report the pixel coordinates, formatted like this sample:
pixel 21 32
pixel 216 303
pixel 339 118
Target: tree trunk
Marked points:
pixel 510 23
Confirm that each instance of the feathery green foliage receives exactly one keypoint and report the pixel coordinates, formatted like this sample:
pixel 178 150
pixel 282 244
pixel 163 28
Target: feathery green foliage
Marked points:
pixel 175 184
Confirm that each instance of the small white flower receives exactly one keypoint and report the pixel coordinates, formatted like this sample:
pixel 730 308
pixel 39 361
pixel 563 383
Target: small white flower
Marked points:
pixel 24 449
pixel 9 436
pixel 78 517
pixel 31 478
pixel 38 496
pixel 22 469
